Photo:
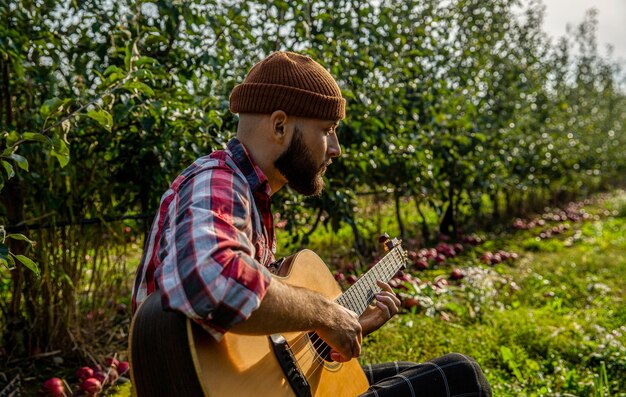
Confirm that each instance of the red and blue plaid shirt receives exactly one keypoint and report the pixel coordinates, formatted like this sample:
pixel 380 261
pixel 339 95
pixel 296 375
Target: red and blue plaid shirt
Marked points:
pixel 211 241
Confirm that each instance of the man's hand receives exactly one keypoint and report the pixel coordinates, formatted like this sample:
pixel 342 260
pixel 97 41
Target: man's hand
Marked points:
pixel 288 309
pixel 343 334
pixel 386 305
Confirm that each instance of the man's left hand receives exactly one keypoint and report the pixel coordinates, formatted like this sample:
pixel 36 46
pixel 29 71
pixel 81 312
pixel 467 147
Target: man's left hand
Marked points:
pixel 386 304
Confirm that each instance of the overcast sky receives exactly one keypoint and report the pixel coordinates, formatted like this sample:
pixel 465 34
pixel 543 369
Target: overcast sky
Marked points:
pixel 611 18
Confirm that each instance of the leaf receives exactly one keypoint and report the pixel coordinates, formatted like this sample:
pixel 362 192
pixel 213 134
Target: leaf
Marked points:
pixel 35 136
pixel 103 118
pixel 50 106
pixel 113 69
pixel 145 61
pixel 29 263
pixel 507 354
pixel 508 357
pixel 20 160
pixel 127 57
pixel 20 237
pixel 114 73
pixel 60 151
pixel 141 87
pixel 8 168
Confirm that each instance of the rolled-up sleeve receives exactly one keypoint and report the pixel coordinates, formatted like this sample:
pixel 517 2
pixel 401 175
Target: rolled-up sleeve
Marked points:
pixel 208 268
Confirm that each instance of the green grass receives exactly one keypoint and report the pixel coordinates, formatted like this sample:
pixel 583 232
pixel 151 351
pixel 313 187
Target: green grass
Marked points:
pixel 562 333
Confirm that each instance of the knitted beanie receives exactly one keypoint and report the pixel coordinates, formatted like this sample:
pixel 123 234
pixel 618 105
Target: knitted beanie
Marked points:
pixel 290 82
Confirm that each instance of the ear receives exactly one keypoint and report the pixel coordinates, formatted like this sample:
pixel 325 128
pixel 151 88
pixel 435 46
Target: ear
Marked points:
pixel 278 121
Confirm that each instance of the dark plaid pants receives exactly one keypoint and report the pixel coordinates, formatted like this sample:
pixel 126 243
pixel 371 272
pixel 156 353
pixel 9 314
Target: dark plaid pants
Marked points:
pixel 452 375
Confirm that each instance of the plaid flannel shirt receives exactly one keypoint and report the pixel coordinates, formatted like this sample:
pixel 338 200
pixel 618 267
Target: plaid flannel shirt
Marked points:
pixel 211 241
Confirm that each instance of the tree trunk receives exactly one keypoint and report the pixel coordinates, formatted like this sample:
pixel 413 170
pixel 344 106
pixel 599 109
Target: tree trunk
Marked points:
pixel 448 223
pixel 304 241
pixel 495 214
pixel 425 231
pixel 359 244
pixel 397 198
pixel 6 93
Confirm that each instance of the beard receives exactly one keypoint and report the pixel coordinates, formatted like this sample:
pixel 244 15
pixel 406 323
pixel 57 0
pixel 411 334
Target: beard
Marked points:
pixel 297 165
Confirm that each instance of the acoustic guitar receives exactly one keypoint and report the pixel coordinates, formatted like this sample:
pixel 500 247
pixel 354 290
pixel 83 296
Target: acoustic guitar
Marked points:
pixel 172 356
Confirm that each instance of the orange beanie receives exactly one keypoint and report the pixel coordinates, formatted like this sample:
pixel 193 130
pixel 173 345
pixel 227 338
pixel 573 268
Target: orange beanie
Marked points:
pixel 290 82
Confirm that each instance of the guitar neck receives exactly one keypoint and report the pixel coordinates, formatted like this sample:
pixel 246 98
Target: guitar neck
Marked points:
pixel 361 293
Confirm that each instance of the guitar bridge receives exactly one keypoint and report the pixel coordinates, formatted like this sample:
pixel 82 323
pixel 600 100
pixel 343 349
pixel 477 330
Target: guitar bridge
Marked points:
pixel 290 368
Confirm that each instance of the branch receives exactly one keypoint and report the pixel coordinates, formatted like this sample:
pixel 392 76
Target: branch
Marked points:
pixel 107 92
pixel 22 226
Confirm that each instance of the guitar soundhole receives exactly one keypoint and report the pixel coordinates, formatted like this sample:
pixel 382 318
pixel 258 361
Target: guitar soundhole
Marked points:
pixel 321 347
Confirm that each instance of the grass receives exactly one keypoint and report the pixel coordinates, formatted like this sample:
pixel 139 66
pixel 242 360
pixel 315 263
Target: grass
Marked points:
pixel 563 332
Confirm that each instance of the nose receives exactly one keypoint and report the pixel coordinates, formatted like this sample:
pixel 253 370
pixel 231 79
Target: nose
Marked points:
pixel 334 150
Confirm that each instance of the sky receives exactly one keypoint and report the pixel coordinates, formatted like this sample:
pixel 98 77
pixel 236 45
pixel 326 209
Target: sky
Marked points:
pixel 611 18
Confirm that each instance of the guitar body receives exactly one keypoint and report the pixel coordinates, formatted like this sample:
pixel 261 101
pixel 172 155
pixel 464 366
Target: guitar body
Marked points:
pixel 244 365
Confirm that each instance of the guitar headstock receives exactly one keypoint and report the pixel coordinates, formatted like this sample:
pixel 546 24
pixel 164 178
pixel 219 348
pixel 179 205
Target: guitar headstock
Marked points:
pixel 389 243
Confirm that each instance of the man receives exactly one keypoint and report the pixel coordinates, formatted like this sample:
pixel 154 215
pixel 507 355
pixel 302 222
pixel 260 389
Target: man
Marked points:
pixel 213 237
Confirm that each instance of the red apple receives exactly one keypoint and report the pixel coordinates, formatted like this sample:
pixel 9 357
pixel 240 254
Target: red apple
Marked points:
pixel 421 264
pixel 84 373
pixel 57 391
pixel 91 386
pixel 123 367
pixel 52 382
pixel 486 257
pixel 406 277
pixel 504 255
pixel 456 274
pixel 99 375
pixel 442 247
pixel 111 362
pixel 54 387
pixel 410 303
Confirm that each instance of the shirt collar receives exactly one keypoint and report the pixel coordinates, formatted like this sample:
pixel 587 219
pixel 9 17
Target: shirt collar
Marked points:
pixel 255 177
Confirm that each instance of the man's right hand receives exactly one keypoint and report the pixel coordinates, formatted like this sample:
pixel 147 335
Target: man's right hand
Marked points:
pixel 288 309
pixel 342 333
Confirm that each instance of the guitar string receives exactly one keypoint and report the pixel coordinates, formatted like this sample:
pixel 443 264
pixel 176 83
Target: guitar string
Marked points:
pixel 387 265
pixel 317 355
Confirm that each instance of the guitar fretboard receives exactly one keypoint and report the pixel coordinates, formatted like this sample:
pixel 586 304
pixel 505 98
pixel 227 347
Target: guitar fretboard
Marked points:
pixel 361 293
